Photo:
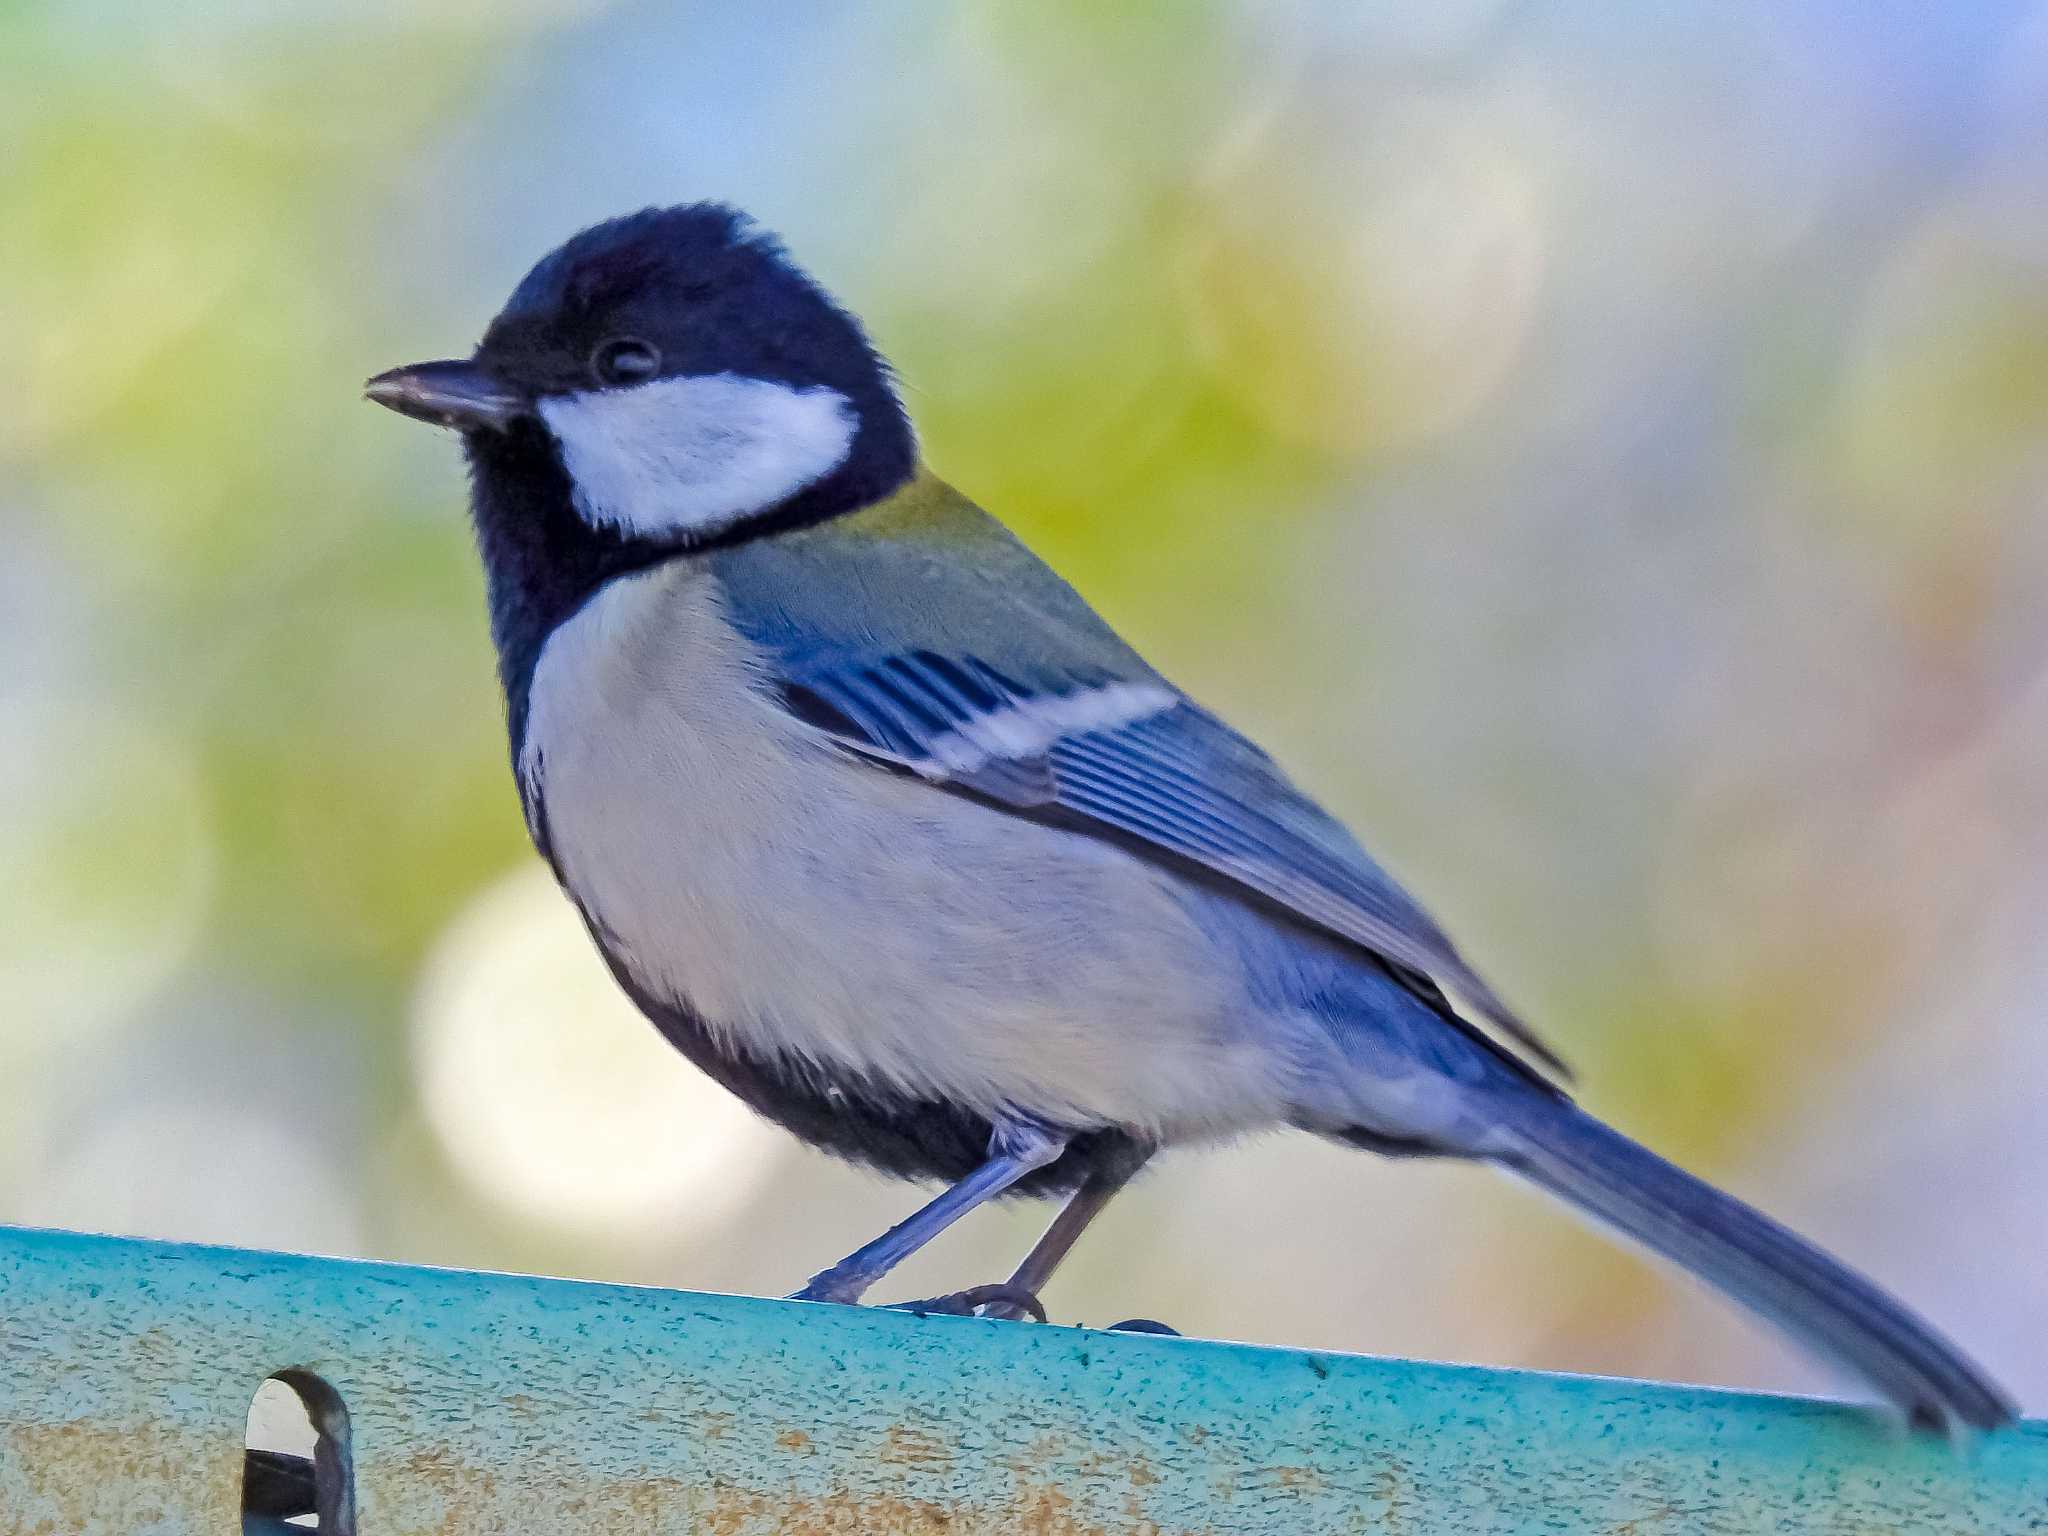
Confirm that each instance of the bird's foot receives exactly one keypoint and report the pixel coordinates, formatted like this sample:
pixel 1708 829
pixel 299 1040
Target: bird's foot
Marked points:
pixel 1009 1303
pixel 1144 1325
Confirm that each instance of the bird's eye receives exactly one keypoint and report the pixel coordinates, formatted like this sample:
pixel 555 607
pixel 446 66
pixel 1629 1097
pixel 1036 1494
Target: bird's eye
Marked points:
pixel 624 360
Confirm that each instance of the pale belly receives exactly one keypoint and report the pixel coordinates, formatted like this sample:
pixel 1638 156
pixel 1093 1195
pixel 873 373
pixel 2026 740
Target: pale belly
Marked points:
pixel 805 904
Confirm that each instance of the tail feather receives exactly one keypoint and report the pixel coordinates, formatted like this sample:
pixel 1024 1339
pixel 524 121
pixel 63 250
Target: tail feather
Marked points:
pixel 1779 1275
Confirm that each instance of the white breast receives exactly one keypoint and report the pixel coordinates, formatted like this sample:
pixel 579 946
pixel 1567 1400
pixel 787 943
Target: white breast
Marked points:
pixel 803 903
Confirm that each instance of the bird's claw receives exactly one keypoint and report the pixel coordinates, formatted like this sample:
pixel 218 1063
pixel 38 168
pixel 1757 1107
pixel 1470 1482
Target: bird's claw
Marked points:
pixel 832 1285
pixel 1009 1303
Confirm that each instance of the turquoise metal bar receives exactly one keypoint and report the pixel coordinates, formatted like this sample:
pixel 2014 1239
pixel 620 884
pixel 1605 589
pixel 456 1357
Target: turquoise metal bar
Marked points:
pixel 480 1403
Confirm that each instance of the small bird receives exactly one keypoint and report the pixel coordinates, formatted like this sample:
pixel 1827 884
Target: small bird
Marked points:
pixel 891 834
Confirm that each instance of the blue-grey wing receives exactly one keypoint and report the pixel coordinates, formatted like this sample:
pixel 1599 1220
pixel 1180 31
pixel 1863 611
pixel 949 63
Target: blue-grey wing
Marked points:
pixel 1131 758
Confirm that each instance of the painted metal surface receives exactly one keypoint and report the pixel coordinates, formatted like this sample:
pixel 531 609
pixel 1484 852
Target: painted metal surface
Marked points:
pixel 502 1403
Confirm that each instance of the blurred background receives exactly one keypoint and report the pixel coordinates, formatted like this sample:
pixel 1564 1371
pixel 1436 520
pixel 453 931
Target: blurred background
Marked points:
pixel 1601 450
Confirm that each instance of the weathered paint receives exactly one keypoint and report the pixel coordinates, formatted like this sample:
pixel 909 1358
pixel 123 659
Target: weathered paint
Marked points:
pixel 501 1403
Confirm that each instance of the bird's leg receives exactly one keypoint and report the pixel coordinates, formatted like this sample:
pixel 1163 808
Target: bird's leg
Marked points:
pixel 1014 1151
pixel 1017 1298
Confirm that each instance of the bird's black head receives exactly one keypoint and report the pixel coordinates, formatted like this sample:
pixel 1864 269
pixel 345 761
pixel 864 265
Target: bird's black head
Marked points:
pixel 689 337
pixel 663 382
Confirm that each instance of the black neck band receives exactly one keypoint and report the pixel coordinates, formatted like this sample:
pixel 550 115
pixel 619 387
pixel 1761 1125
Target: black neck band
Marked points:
pixel 543 561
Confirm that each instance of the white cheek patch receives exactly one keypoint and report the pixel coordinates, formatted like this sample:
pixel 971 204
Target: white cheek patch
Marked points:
pixel 695 454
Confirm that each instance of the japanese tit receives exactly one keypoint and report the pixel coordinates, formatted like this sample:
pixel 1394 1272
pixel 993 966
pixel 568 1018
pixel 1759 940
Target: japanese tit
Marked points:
pixel 887 831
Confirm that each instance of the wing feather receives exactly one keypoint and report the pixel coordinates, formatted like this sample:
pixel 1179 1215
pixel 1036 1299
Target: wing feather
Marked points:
pixel 1139 761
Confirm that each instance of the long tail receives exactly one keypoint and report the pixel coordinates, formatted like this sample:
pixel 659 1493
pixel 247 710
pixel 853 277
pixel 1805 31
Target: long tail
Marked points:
pixel 1782 1277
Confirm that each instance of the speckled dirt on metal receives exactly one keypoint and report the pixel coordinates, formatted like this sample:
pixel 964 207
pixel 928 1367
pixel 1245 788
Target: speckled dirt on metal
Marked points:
pixel 500 1403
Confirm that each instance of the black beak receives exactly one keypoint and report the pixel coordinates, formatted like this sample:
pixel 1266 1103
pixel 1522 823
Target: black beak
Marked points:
pixel 448 394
